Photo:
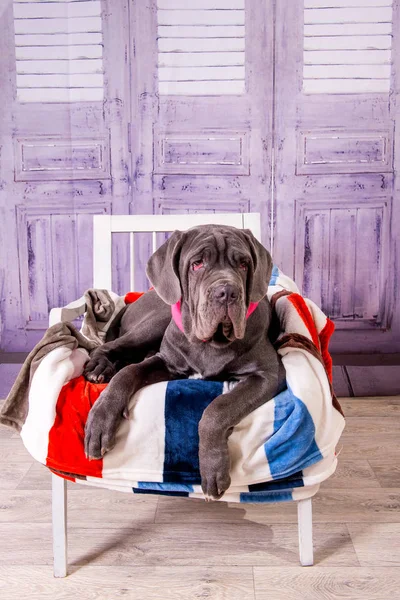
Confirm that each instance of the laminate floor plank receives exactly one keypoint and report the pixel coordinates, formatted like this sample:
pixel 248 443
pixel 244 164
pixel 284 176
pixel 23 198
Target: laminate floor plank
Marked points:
pixel 230 544
pixel 38 477
pixel 12 473
pixel 13 450
pixel 376 544
pixel 356 426
pixel 86 508
pixel 131 583
pixel 357 505
pixel 387 472
pixel 352 474
pixel 378 446
pixel 329 583
pixel 377 406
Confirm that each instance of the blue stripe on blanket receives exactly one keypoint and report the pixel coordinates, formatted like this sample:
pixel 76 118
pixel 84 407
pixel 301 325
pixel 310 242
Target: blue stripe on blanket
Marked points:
pixel 160 492
pixel 274 275
pixel 266 497
pixel 294 481
pixel 292 445
pixel 164 489
pixel 185 402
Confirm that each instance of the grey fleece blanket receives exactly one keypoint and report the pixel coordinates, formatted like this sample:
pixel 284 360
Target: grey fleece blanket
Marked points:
pixel 101 307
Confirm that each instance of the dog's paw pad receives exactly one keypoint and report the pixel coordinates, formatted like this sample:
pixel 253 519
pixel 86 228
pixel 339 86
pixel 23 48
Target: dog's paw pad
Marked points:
pixel 99 370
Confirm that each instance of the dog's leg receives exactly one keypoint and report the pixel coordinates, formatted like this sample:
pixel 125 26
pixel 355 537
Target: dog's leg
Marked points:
pixel 112 405
pixel 143 326
pixel 216 425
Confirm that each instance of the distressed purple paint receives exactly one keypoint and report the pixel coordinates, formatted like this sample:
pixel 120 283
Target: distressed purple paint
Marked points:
pixel 320 168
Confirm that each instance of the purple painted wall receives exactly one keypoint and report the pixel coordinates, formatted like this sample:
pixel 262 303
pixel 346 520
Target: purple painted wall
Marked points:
pixel 202 110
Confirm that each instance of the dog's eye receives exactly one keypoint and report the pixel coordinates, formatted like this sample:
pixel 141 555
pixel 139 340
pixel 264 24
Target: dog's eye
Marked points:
pixel 198 264
pixel 243 266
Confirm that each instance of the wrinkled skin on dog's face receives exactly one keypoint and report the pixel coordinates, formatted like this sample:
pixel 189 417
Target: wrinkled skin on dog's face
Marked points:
pixel 214 271
pixel 214 278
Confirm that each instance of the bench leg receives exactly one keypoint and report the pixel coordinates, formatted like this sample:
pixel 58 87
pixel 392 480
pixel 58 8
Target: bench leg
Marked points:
pixel 304 515
pixel 59 513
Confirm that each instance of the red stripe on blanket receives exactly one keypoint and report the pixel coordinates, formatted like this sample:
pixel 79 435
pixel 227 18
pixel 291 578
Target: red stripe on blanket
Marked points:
pixel 324 336
pixel 304 312
pixel 66 438
pixel 131 297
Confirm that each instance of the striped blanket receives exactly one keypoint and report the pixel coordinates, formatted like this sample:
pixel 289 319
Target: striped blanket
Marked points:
pixel 281 451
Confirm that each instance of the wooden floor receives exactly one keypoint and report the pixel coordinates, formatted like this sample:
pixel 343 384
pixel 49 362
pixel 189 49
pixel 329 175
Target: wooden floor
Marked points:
pixel 145 547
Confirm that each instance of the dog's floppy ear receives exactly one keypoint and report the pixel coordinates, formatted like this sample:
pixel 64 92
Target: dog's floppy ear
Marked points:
pixel 262 268
pixel 163 268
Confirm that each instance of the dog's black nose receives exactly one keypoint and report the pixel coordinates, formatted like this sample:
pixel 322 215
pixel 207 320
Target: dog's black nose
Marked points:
pixel 226 293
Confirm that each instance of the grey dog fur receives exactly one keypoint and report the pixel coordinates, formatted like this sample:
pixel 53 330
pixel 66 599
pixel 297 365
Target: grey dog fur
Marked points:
pixel 196 267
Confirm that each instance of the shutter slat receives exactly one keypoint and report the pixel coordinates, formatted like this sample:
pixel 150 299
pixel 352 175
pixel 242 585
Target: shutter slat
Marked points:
pixel 202 4
pixel 59 66
pixel 200 73
pixel 348 15
pixel 346 86
pixel 345 42
pixel 45 1
pixel 61 95
pixel 201 88
pixel 58 39
pixel 201 45
pixel 348 57
pixel 60 81
pixel 345 3
pixel 35 10
pixel 199 59
pixel 347 72
pixel 200 17
pixel 324 29
pixel 66 25
pixel 60 52
pixel 201 31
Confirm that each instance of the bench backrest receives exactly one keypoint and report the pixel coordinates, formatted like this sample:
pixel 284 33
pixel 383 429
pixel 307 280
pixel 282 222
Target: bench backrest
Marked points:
pixel 105 225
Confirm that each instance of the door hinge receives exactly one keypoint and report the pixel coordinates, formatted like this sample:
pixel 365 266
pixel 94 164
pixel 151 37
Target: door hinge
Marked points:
pixel 130 137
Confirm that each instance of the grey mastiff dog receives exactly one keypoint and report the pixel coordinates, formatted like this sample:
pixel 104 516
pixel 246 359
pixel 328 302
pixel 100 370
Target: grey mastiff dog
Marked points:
pixel 215 278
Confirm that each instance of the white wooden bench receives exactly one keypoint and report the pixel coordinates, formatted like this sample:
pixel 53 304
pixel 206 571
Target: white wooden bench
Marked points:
pixel 103 228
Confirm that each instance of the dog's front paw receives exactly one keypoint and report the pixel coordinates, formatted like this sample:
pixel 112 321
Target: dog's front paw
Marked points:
pixel 102 424
pixel 214 471
pixel 99 369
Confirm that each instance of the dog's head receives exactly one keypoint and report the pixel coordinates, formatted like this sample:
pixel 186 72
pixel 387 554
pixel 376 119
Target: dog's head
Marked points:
pixel 217 271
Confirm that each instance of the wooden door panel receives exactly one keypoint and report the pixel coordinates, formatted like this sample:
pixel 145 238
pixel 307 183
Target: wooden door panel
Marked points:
pixel 217 152
pixel 62 77
pixel 335 171
pixel 35 264
pixel 206 106
pixel 349 243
